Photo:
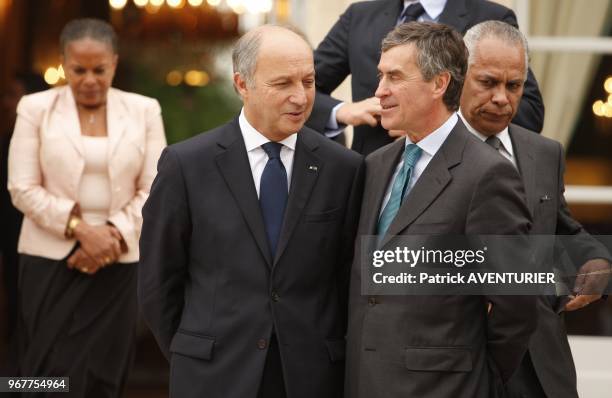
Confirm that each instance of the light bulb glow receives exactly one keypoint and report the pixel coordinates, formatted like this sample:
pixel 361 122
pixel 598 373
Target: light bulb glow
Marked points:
pixel 197 78
pixel 51 76
pixel 608 85
pixel 117 4
pixel 141 3
pixel 174 78
pixel 598 108
pixel 175 3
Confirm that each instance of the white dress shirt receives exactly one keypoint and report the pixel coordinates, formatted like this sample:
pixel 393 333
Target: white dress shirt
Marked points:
pixel 253 140
pixel 430 146
pixel 505 149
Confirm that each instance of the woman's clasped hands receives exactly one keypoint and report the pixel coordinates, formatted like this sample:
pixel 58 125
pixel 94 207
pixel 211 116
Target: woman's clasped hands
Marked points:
pixel 99 246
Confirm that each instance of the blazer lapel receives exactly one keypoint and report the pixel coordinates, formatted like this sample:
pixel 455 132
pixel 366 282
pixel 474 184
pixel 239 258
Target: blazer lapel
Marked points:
pixel 523 150
pixel 115 121
pixel 431 183
pixel 384 23
pixel 233 164
pixel 455 14
pixel 379 179
pixel 67 112
pixel 306 168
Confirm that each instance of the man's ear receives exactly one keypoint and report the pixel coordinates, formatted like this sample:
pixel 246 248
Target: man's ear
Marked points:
pixel 441 82
pixel 240 84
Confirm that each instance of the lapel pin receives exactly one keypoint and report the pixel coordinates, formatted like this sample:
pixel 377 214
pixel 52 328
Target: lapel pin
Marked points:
pixel 313 168
pixel 545 198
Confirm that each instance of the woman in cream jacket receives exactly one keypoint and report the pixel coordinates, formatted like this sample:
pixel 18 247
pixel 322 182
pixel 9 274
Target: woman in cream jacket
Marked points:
pixel 81 162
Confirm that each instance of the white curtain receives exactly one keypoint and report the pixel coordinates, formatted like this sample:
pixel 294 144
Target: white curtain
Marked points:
pixel 565 78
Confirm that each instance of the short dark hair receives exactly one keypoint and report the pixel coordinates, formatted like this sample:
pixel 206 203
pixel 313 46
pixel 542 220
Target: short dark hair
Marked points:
pixel 440 48
pixel 95 29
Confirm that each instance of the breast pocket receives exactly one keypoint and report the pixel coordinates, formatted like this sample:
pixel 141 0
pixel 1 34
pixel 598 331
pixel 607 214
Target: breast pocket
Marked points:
pixel 546 209
pixel 325 216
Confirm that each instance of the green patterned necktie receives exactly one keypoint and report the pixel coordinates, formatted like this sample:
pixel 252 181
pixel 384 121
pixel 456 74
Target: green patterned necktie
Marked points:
pixel 412 153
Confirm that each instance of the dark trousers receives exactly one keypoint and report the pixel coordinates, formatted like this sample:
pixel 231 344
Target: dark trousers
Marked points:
pixel 272 382
pixel 524 382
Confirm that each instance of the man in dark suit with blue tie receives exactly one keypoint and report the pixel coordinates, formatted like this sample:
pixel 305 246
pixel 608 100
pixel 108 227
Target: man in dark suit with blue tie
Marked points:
pixel 352 47
pixel 247 240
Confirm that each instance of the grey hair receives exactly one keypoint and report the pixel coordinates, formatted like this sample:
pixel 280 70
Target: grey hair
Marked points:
pixel 440 49
pixel 92 28
pixel 246 49
pixel 495 29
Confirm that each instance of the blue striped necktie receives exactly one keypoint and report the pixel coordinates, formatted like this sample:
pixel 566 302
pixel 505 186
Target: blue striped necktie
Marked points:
pixel 273 193
pixel 412 153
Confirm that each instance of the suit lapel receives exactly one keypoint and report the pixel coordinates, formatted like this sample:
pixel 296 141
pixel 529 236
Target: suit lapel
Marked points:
pixel 379 179
pixel 233 164
pixel 306 168
pixel 455 14
pixel 115 121
pixel 523 150
pixel 431 183
pixel 384 23
pixel 67 112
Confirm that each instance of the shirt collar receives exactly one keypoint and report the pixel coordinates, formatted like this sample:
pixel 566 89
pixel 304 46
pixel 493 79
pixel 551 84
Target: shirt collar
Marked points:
pixel 433 8
pixel 254 139
pixel 504 135
pixel 433 141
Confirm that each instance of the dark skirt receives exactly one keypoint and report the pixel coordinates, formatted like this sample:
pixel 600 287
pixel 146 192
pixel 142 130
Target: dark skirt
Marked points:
pixel 76 325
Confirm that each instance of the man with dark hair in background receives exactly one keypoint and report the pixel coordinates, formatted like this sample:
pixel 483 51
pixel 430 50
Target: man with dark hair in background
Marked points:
pixel 352 47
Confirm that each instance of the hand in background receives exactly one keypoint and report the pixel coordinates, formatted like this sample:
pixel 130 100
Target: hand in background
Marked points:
pixel 358 113
pixel 591 282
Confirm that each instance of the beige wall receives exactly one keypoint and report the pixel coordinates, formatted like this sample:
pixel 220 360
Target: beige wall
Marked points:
pixel 319 17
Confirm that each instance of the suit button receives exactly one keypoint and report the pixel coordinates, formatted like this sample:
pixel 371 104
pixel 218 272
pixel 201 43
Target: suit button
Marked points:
pixel 372 301
pixel 275 296
pixel 262 344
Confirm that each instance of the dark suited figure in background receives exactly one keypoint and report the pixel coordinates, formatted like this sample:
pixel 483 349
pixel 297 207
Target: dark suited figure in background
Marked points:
pixel 491 94
pixel 439 180
pixel 248 237
pixel 352 47
pixel 23 83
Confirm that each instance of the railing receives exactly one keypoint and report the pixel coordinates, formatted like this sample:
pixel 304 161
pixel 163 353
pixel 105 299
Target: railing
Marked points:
pixel 588 194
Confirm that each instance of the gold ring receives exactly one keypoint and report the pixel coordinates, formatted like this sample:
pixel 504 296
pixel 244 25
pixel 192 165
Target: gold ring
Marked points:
pixel 107 260
pixel 85 269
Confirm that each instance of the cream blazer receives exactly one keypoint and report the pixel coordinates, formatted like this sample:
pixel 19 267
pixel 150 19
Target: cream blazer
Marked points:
pixel 46 164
